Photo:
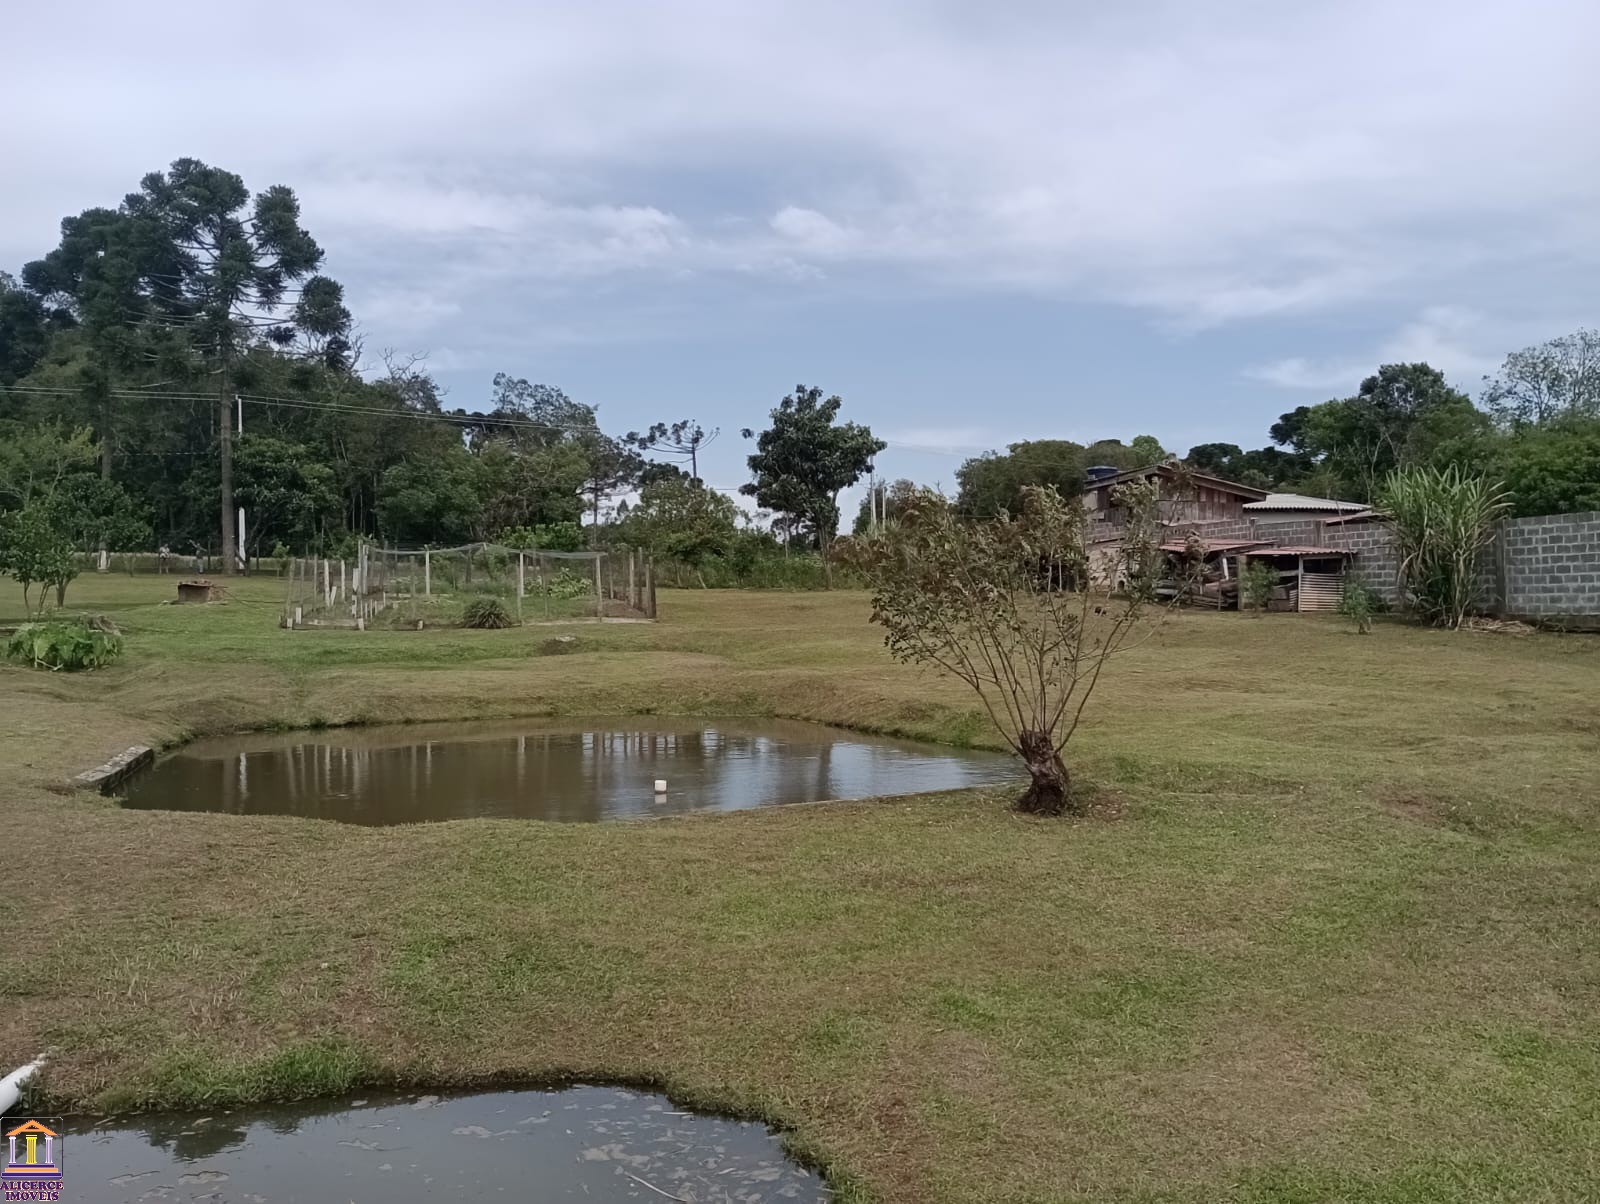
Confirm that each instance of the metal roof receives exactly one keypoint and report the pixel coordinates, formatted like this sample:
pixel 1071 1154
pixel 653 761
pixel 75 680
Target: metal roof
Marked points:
pixel 1215 545
pixel 1299 551
pixel 1360 516
pixel 1300 501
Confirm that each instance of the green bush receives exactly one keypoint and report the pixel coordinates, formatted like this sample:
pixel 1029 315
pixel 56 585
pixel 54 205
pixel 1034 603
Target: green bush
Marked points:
pixel 1256 584
pixel 69 644
pixel 1358 603
pixel 564 585
pixel 485 612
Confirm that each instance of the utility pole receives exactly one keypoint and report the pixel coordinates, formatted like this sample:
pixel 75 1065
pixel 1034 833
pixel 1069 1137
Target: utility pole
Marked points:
pixel 244 544
pixel 225 419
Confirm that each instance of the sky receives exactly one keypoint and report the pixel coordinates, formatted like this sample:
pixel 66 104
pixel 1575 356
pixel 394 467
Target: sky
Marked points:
pixel 976 223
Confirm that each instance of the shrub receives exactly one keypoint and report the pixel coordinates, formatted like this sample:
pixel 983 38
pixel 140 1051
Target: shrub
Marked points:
pixel 69 644
pixel 1357 603
pixel 1256 585
pixel 485 612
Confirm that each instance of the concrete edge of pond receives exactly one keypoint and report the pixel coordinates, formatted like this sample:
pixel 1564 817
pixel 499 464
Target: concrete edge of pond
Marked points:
pixel 103 779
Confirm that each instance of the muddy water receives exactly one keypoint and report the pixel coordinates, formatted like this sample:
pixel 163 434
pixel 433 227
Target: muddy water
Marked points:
pixel 598 1145
pixel 572 771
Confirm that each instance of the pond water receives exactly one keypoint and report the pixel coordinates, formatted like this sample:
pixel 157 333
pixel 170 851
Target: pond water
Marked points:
pixel 599 1145
pixel 582 771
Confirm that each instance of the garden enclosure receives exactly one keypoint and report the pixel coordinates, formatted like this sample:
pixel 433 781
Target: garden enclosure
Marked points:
pixel 398 588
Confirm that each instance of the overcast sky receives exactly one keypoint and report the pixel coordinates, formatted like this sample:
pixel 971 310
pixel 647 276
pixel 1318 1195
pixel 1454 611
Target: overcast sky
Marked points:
pixel 977 223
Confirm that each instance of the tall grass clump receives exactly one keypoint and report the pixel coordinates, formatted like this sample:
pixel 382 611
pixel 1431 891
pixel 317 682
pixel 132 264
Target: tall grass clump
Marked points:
pixel 1442 519
pixel 488 613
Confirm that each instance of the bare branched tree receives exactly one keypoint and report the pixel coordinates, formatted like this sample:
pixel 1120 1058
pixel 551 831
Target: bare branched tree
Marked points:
pixel 1011 608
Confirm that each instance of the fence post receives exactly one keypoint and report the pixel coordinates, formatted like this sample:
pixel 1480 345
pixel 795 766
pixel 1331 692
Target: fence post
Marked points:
pixel 522 579
pixel 427 574
pixel 599 602
pixel 633 583
pixel 650 583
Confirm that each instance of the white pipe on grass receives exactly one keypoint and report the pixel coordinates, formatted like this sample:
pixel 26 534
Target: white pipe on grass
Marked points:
pixel 11 1085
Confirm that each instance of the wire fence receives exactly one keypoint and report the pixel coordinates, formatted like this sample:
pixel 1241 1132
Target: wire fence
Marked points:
pixel 431 587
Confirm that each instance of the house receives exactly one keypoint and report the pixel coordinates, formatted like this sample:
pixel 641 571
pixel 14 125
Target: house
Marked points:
pixel 1297 507
pixel 1186 497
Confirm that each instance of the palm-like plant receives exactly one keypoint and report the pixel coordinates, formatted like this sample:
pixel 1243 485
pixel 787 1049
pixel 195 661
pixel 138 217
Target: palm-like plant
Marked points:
pixel 1442 519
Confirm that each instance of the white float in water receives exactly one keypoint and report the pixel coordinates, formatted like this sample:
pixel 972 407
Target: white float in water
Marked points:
pixel 661 785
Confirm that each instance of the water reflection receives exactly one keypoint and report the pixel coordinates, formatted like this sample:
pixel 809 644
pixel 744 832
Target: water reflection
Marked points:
pixel 574 772
pixel 596 1144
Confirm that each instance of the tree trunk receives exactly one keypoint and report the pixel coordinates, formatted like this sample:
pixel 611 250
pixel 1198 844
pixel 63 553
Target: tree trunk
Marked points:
pixel 61 594
pixel 1050 791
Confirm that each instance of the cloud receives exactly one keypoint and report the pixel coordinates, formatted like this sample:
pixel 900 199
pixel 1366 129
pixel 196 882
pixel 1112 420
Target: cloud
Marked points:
pixel 1253 161
pixel 1463 343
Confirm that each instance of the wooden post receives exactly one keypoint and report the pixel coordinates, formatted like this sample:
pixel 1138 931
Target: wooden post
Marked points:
pixel 633 583
pixel 522 579
pixel 599 605
pixel 327 582
pixel 543 587
pixel 1299 579
pixel 427 574
pixel 650 586
pixel 1239 563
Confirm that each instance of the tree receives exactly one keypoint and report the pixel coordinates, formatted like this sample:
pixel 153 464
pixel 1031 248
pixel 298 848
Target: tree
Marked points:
pixel 993 483
pixel 1264 468
pixel 612 467
pixel 1147 450
pixel 1442 520
pixel 237 261
pixel 285 490
pixel 1551 381
pixel 91 513
pixel 25 328
pixel 682 520
pixel 889 498
pixel 431 500
pixel 35 551
pixel 1554 468
pixel 1010 607
pixel 1401 416
pixel 804 460
pixel 682 440
pixel 36 458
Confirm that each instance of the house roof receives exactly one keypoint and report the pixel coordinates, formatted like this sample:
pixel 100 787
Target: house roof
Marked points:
pixel 1300 501
pixel 1208 546
pixel 1166 470
pixel 1299 550
pixel 1360 516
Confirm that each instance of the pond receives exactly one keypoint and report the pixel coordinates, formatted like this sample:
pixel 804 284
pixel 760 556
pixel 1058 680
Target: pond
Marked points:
pixel 579 771
pixel 599 1145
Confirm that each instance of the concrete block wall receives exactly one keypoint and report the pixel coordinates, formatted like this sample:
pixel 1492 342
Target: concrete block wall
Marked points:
pixel 1543 568
pixel 1375 563
pixel 1549 566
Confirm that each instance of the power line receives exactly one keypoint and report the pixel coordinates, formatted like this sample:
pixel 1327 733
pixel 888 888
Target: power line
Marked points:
pixel 461 419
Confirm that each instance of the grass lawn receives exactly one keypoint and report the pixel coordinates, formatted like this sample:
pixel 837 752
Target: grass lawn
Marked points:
pixel 1334 934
